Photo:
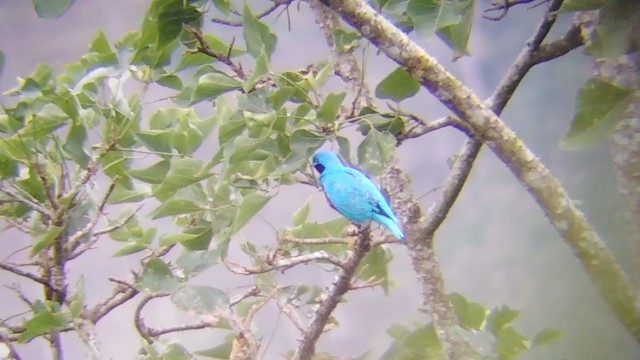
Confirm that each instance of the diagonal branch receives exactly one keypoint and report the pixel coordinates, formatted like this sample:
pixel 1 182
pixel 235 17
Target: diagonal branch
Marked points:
pixel 306 347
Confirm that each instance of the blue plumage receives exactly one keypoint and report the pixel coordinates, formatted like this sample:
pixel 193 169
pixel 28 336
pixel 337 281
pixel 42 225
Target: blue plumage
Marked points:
pixel 352 194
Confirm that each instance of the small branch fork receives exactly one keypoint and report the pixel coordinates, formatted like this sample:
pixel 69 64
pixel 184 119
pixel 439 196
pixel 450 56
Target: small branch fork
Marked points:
pixel 204 48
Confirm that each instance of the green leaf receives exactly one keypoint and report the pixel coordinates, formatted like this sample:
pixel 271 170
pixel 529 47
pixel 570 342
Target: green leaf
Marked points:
pixel 202 300
pixel 331 106
pixel 470 315
pixel 375 267
pixel 248 208
pixel 1 61
pixel 376 151
pixel 170 239
pixel 46 239
pixel 397 86
pixel 545 336
pixel 370 117
pixel 176 352
pixel 500 318
pixel 222 351
pixel 183 172
pixel 187 138
pixel 42 323
pixel 50 9
pixel 175 207
pixel 122 195
pixel 345 40
pixel 616 32
pixel 157 276
pixel 154 174
pixel 510 343
pixel 314 230
pixel 456 36
pixel 203 235
pixel 77 299
pixel 420 343
pixel 599 107
pixel 75 148
pixel 257 34
pixel 212 85
pixel 100 45
pixel 259 70
pixel 130 248
pixel 582 5
pixel 303 143
pixel 300 215
pixel 229 130
pixel 195 262
pixel 155 140
pixel 171 18
pixel 430 15
pixel 171 81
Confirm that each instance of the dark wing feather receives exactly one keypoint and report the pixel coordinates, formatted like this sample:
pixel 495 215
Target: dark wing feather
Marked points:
pixel 378 210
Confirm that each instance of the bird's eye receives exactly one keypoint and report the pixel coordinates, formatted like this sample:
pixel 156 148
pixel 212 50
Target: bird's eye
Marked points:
pixel 319 167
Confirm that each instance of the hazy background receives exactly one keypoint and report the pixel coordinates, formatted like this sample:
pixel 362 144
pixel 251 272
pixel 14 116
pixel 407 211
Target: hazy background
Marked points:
pixel 496 247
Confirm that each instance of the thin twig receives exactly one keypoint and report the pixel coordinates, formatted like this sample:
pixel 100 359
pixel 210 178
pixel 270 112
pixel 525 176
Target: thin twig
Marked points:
pixel 25 274
pixel 8 342
pixel 317 241
pixel 32 204
pixel 75 239
pixel 282 264
pixel 276 4
pixel 117 226
pixel 205 49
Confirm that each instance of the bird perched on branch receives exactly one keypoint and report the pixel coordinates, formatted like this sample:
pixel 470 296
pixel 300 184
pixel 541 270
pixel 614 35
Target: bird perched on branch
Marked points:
pixel 352 194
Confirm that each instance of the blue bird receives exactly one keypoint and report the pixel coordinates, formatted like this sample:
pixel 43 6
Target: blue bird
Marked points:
pixel 352 194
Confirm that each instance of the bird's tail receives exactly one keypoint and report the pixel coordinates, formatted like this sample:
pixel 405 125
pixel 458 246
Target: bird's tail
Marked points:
pixel 392 226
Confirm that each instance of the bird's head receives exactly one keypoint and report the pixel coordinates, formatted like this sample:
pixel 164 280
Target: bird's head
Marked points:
pixel 326 160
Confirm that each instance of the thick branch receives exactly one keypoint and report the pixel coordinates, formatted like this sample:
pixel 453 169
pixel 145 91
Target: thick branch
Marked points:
pixel 568 220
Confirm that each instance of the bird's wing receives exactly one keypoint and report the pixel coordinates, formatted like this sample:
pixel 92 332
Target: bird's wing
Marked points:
pixel 375 197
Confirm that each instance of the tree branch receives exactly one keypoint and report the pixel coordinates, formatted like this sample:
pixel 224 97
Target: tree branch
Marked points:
pixel 571 40
pixel 567 219
pixel 282 264
pixel 120 295
pixel 32 204
pixel 306 347
pixel 25 274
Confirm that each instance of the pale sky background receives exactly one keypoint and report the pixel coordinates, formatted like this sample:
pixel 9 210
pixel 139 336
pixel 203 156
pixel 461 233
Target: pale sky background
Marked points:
pixel 495 248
